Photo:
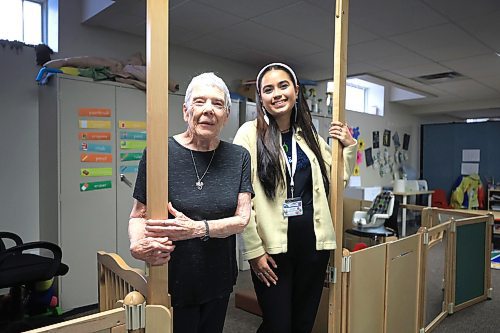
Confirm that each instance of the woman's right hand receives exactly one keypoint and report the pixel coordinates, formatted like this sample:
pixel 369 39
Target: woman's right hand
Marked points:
pixel 262 268
pixel 153 250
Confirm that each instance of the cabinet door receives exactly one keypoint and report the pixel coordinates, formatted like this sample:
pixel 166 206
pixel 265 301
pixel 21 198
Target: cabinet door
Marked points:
pixel 130 106
pixel 87 219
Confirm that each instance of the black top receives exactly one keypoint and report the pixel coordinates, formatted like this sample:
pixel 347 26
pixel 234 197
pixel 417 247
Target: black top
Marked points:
pixel 201 271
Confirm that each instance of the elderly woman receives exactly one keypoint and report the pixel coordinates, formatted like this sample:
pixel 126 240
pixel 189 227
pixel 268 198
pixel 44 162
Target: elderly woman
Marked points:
pixel 209 202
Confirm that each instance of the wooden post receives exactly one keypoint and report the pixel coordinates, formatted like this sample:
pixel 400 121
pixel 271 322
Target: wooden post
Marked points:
pixel 157 134
pixel 337 172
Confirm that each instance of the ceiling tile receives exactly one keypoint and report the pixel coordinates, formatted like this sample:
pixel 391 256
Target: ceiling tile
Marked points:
pixel 454 9
pixel 467 89
pixel 401 59
pixel 491 81
pixel 419 70
pixel 374 49
pixel 267 41
pixel 216 46
pixel 443 42
pixel 318 31
pixel 391 17
pixel 476 67
pixel 199 17
pixel 359 35
pixel 248 9
pixel 485 28
pixel 181 36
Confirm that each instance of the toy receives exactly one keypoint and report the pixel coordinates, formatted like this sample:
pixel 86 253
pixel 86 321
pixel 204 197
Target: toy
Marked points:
pixel 41 298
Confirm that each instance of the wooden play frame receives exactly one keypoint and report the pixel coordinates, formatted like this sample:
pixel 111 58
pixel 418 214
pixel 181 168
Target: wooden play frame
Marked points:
pixel 384 286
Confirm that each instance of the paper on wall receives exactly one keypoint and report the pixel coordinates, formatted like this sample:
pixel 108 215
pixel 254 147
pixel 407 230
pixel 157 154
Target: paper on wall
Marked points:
pixel 470 168
pixel 471 155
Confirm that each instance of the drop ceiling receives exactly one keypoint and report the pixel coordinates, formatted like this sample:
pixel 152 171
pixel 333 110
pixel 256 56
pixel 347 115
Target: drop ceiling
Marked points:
pixel 396 40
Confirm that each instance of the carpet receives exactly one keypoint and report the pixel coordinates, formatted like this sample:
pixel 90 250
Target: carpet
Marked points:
pixel 495 259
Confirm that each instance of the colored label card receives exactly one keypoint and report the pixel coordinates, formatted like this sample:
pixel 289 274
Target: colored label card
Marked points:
pixel 94 112
pixel 92 186
pixel 129 169
pixel 130 156
pixel 94 123
pixel 96 148
pixel 94 136
pixel 96 172
pixel 98 158
pixel 132 135
pixel 132 144
pixel 132 124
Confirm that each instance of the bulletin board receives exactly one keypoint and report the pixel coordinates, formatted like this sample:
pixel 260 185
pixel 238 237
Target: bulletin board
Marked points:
pixel 441 151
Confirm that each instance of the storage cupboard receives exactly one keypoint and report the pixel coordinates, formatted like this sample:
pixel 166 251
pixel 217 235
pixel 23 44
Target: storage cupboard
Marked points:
pixel 91 137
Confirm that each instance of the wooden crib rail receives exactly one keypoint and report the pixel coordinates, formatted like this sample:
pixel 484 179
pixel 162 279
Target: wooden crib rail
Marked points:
pixel 117 279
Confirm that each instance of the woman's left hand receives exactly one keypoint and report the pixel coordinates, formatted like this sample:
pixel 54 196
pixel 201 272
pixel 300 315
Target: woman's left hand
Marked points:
pixel 180 227
pixel 341 132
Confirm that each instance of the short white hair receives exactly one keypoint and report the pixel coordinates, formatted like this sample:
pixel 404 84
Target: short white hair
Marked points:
pixel 208 79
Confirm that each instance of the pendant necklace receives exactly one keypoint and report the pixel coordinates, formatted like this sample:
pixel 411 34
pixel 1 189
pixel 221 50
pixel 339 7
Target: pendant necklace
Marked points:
pixel 199 183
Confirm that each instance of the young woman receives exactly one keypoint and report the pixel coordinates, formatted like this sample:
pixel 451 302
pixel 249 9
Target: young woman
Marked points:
pixel 290 233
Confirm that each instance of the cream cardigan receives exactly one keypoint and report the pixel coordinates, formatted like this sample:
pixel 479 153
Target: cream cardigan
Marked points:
pixel 267 229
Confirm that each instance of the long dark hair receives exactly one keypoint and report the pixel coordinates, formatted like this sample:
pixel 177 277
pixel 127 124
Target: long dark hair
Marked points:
pixel 269 163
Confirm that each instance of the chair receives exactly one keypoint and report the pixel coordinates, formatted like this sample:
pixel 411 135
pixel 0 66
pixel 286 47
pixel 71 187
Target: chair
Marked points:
pixel 381 220
pixel 380 210
pixel 439 199
pixel 21 271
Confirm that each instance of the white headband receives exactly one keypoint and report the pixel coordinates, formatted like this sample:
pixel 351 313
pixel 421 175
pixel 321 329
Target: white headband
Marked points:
pixel 279 64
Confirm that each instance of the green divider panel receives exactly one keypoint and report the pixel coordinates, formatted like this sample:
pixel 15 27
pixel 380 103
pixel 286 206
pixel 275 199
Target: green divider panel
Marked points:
pixel 469 279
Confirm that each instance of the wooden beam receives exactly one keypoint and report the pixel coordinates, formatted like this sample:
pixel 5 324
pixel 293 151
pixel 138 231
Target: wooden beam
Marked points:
pixel 157 134
pixel 337 173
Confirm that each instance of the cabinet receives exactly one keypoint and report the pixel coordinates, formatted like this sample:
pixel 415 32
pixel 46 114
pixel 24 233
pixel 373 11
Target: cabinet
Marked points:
pixel 494 199
pixel 83 222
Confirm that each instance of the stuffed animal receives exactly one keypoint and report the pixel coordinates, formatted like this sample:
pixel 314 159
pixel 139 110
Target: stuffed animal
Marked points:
pixel 42 298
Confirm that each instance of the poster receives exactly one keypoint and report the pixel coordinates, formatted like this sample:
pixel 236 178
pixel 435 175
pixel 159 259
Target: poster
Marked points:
pixel 406 141
pixel 368 157
pixel 395 139
pixel 387 138
pixel 375 139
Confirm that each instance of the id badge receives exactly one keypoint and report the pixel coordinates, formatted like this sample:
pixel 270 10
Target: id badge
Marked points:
pixel 292 207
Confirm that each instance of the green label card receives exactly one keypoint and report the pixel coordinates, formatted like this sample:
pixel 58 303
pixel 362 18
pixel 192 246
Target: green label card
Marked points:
pixel 92 186
pixel 96 172
pixel 130 156
pixel 132 144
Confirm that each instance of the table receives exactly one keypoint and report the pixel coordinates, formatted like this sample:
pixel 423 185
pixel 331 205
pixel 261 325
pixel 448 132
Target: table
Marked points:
pixel 405 196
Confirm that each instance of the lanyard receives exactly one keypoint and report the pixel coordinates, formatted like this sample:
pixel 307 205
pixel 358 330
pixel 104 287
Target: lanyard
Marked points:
pixel 291 169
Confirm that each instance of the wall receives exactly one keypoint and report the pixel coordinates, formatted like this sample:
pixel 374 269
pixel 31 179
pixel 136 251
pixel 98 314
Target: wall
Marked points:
pixel 442 151
pixel 397 117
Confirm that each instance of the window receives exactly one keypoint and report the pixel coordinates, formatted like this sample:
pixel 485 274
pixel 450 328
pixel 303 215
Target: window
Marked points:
pixel 29 21
pixel 355 97
pixel 361 96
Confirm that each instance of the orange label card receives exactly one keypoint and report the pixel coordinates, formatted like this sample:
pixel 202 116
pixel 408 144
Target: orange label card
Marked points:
pixel 94 136
pixel 98 158
pixel 94 112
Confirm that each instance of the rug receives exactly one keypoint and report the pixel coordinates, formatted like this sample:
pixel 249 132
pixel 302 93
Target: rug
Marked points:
pixel 495 259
